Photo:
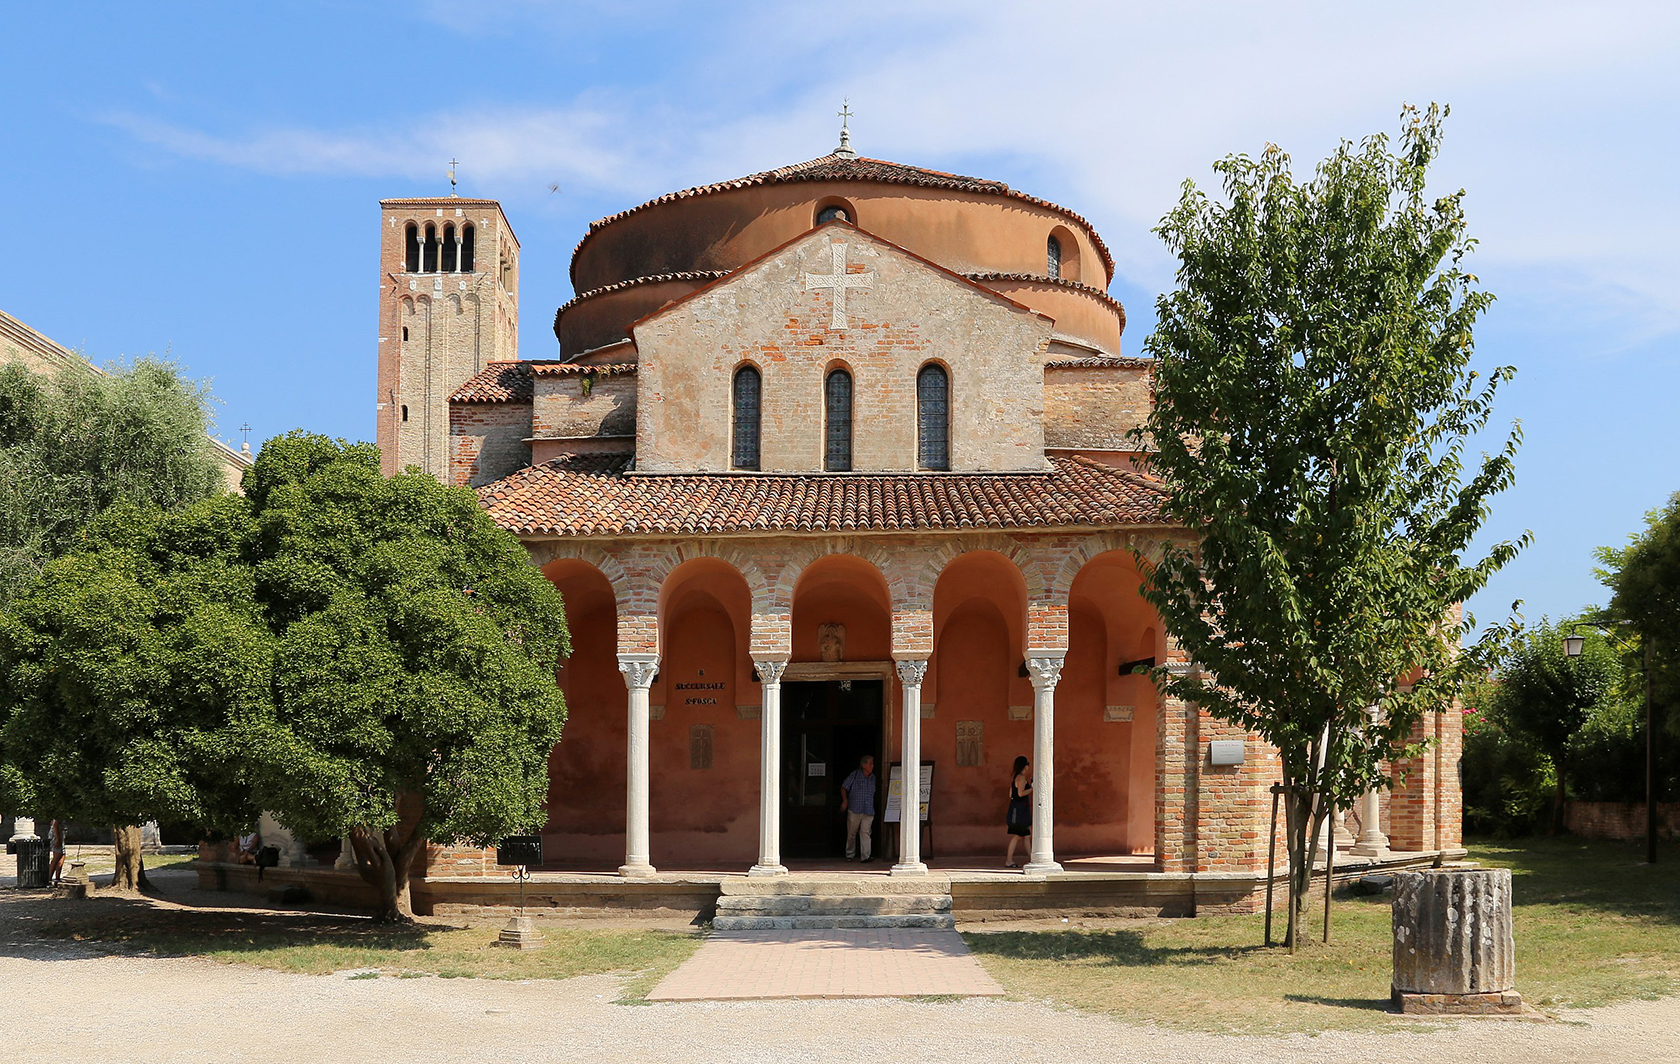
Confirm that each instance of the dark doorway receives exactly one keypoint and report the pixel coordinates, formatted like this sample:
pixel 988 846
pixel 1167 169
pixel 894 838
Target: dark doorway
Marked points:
pixel 827 726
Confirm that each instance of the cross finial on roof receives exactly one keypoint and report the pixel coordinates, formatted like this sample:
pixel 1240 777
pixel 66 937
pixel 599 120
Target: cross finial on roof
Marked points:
pixel 452 165
pixel 845 149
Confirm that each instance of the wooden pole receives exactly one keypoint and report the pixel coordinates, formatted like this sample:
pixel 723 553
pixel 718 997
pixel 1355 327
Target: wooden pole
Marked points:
pixel 1329 870
pixel 1271 859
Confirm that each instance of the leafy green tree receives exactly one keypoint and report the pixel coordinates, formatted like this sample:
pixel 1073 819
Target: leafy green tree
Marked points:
pixel 1314 400
pixel 74 443
pixel 126 666
pixel 1545 698
pixel 415 650
pixel 1644 579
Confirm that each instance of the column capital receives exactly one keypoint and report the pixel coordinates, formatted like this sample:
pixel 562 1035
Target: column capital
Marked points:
pixel 638 669
pixel 911 671
pixel 770 670
pixel 1044 669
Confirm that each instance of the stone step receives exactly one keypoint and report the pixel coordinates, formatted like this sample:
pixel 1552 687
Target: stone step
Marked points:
pixel 832 905
pixel 829 923
pixel 837 886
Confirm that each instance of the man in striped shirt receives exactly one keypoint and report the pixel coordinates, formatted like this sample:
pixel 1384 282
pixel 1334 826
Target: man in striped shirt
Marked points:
pixel 857 799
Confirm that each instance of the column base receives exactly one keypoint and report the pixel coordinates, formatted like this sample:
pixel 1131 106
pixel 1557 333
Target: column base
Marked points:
pixel 758 870
pixel 1040 868
pixel 910 868
pixel 1370 849
pixel 638 870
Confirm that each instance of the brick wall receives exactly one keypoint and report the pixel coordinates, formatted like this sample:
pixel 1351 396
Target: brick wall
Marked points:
pixel 487 441
pixel 1619 820
pixel 913 314
pixel 562 407
pixel 1095 407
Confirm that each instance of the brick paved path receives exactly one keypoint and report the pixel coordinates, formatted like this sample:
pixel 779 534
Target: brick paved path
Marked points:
pixel 886 962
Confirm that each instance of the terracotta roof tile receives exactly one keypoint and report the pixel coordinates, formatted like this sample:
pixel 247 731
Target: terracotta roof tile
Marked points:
pixel 595 495
pixel 510 382
pixel 840 168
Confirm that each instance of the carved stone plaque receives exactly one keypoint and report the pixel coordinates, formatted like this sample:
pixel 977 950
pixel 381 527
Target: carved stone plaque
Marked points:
pixel 699 746
pixel 971 743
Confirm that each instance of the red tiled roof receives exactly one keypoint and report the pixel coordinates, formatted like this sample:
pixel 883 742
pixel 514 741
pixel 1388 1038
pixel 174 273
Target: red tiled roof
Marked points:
pixel 510 382
pixel 841 168
pixel 594 495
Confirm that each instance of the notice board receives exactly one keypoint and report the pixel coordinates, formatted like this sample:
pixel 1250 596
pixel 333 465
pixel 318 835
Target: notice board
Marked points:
pixel 895 792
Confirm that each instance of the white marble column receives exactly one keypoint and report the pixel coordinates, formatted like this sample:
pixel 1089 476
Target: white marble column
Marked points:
pixel 346 861
pixel 910 675
pixel 770 771
pixel 1371 842
pixel 639 671
pixel 1044 671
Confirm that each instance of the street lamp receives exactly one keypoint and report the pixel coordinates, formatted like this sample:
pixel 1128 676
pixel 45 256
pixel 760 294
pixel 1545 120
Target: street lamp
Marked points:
pixel 1572 647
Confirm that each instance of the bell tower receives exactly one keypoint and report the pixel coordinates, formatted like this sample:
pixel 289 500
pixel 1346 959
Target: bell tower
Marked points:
pixel 448 304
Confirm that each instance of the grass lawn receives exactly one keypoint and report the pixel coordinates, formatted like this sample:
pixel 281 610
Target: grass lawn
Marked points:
pixel 1593 926
pixel 314 944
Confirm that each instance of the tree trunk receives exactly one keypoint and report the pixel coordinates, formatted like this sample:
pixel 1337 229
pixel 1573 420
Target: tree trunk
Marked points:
pixel 383 859
pixel 130 874
pixel 1306 817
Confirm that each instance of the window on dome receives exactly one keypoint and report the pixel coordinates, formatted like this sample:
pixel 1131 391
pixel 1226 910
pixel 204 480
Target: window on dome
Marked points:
pixel 837 409
pixel 744 445
pixel 411 248
pixel 933 418
pixel 831 212
pixel 1053 258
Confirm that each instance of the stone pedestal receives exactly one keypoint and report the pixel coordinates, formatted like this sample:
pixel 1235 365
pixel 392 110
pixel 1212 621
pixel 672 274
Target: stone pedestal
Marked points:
pixel 151 837
pixel 520 933
pixel 346 861
pixel 1453 950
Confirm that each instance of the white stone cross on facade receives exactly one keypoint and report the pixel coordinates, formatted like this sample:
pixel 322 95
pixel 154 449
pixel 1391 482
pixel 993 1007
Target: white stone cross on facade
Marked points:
pixel 839 280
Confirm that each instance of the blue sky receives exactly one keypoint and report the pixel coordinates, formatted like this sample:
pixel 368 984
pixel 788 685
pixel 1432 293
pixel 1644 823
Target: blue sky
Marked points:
pixel 203 179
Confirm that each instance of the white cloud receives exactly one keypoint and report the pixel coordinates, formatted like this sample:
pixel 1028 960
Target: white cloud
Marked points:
pixel 1561 128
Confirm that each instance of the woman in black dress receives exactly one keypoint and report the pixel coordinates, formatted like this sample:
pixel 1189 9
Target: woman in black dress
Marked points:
pixel 1018 818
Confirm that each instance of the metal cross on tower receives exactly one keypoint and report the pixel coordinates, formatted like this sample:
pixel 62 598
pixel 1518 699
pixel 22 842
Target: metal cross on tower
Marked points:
pixel 839 280
pixel 452 165
pixel 845 149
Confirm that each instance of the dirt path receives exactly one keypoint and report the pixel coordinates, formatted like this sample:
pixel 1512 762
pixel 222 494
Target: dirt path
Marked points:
pixel 147 1009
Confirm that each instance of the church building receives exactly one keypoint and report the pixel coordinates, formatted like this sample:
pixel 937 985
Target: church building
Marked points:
pixel 835 460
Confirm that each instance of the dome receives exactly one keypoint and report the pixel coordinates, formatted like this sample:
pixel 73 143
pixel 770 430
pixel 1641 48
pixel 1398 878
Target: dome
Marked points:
pixel 1043 255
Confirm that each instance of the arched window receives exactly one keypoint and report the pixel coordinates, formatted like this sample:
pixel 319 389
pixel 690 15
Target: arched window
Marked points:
pixel 411 248
pixel 429 260
pixel 744 446
pixel 467 248
pixel 837 416
pixel 831 212
pixel 449 248
pixel 1053 257
pixel 405 411
pixel 933 418
pixel 405 334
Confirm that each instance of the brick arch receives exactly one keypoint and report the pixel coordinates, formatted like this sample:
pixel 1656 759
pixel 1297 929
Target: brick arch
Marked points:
pixel 608 564
pixel 1079 553
pixel 1018 555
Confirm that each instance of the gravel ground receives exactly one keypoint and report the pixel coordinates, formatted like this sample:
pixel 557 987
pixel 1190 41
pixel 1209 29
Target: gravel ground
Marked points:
pixel 145 1009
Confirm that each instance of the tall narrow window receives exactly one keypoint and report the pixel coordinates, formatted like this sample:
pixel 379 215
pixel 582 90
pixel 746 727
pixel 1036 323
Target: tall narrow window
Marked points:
pixel 744 447
pixel 411 248
pixel 467 248
pixel 429 260
pixel 1053 257
pixel 933 418
pixel 449 248
pixel 837 409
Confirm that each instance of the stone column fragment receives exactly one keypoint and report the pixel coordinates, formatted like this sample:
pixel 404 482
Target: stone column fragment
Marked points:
pixel 1453 947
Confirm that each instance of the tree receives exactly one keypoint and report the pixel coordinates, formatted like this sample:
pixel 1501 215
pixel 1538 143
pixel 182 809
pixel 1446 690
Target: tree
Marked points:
pixel 1314 400
pixel 78 441
pixel 1545 697
pixel 1644 580
pixel 126 665
pixel 415 650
